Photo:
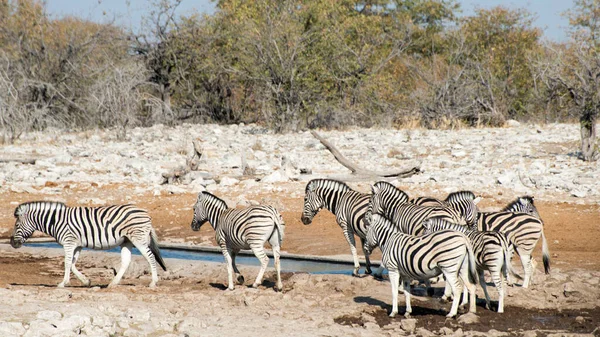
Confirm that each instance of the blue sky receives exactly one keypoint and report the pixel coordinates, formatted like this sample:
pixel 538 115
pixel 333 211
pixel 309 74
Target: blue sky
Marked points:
pixel 128 12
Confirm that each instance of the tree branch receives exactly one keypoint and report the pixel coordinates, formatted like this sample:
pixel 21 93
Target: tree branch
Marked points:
pixel 407 172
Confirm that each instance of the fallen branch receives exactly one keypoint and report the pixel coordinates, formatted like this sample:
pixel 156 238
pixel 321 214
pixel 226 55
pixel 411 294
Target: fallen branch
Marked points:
pixel 18 160
pixel 407 172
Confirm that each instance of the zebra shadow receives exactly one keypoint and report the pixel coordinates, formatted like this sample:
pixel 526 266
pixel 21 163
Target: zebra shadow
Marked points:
pixel 418 310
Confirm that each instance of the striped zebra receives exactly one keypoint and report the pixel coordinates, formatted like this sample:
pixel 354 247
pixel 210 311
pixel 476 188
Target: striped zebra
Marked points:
pixel 492 253
pixel 409 257
pixel 523 231
pixel 522 204
pixel 90 227
pixel 393 204
pixel 349 208
pixel 237 229
pixel 464 202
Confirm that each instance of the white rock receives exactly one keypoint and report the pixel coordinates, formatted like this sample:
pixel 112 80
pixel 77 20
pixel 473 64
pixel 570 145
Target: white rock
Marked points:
pixel 227 181
pixel 49 315
pixel 275 177
pixel 11 329
pixel 511 123
pixel 579 193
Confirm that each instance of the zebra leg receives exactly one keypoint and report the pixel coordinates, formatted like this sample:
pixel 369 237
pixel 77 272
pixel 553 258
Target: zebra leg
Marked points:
pixel 349 235
pixel 80 276
pixel 277 267
pixel 125 260
pixel 470 286
pixel 447 292
pixel 394 282
pixel 229 262
pixel 144 249
pixel 367 259
pixel 452 280
pixel 239 277
pixel 499 283
pixel 527 267
pixel 406 287
pixel 488 304
pixel 69 251
pixel 259 252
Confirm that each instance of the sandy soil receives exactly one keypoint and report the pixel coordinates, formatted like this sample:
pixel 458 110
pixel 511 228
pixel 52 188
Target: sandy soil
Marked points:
pixel 191 299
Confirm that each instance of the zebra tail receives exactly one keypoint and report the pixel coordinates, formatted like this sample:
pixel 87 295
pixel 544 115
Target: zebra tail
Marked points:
pixel 545 254
pixel 472 264
pixel 155 250
pixel 279 225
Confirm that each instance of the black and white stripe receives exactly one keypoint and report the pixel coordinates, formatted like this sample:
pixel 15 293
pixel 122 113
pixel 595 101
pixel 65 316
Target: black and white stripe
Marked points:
pixel 492 253
pixel 523 231
pixel 464 202
pixel 237 229
pixel 409 257
pixel 393 204
pixel 348 206
pixel 522 204
pixel 90 227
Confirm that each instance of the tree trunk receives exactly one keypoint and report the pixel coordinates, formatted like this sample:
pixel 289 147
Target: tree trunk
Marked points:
pixel 588 136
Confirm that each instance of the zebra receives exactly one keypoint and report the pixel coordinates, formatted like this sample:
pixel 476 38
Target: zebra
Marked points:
pixel 103 228
pixel 464 202
pixel 409 257
pixel 349 208
pixel 523 231
pixel 492 252
pixel 246 228
pixel 392 203
pixel 522 204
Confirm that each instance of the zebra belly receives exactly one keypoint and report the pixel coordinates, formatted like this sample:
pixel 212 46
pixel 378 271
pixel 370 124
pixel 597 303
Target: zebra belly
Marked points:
pixel 111 243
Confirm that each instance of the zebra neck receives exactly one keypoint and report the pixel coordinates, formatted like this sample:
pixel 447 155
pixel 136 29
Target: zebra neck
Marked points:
pixel 215 215
pixel 332 200
pixel 48 222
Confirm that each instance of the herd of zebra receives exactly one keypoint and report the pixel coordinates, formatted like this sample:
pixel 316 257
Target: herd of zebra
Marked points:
pixel 419 238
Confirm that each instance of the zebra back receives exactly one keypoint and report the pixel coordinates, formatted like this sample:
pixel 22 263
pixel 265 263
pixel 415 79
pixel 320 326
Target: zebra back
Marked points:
pixel 522 204
pixel 427 201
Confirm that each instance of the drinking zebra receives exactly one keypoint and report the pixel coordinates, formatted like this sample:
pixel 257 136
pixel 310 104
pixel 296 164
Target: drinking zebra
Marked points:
pixel 409 257
pixel 393 204
pixel 237 229
pixel 523 231
pixel 349 208
pixel 464 202
pixel 91 227
pixel 492 253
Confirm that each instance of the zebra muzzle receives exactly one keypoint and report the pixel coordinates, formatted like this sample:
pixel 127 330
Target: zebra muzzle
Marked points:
pixel 15 243
pixel 306 220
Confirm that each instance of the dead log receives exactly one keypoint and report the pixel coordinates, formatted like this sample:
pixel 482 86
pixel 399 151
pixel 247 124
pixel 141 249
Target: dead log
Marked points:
pixel 194 161
pixel 175 175
pixel 18 160
pixel 358 171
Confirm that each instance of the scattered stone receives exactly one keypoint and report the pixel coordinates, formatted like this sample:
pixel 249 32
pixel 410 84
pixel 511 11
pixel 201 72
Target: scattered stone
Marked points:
pixel 275 177
pixel 408 324
pixel 424 332
pixel 227 181
pixel 529 333
pixel 569 289
pixel 578 193
pixel 468 318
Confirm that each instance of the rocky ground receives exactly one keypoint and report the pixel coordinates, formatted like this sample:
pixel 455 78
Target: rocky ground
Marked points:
pixel 247 165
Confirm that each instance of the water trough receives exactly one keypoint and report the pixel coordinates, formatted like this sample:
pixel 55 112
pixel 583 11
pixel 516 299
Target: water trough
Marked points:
pixel 289 262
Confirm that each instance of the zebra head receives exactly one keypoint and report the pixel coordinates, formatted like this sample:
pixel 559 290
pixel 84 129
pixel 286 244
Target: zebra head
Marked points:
pixel 24 225
pixel 384 198
pixel 207 208
pixel 523 204
pixel 464 202
pixel 313 203
pixel 380 229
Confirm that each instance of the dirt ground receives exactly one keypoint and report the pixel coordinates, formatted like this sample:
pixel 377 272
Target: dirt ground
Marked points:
pixel 572 231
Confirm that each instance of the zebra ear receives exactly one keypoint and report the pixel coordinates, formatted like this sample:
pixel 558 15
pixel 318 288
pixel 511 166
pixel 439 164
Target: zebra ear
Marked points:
pixel 476 200
pixel 374 189
pixel 310 187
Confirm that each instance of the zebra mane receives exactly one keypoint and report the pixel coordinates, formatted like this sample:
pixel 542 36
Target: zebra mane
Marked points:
pixel 460 195
pixel 515 204
pixel 329 184
pixel 22 208
pixel 395 191
pixel 213 199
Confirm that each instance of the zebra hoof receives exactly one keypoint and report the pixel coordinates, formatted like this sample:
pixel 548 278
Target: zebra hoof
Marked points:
pixel 230 288
pixel 255 285
pixel 279 287
pixel 61 285
pixel 87 283
pixel 393 313
pixel 240 279
pixel 368 271
pixel 451 315
pixel 407 315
